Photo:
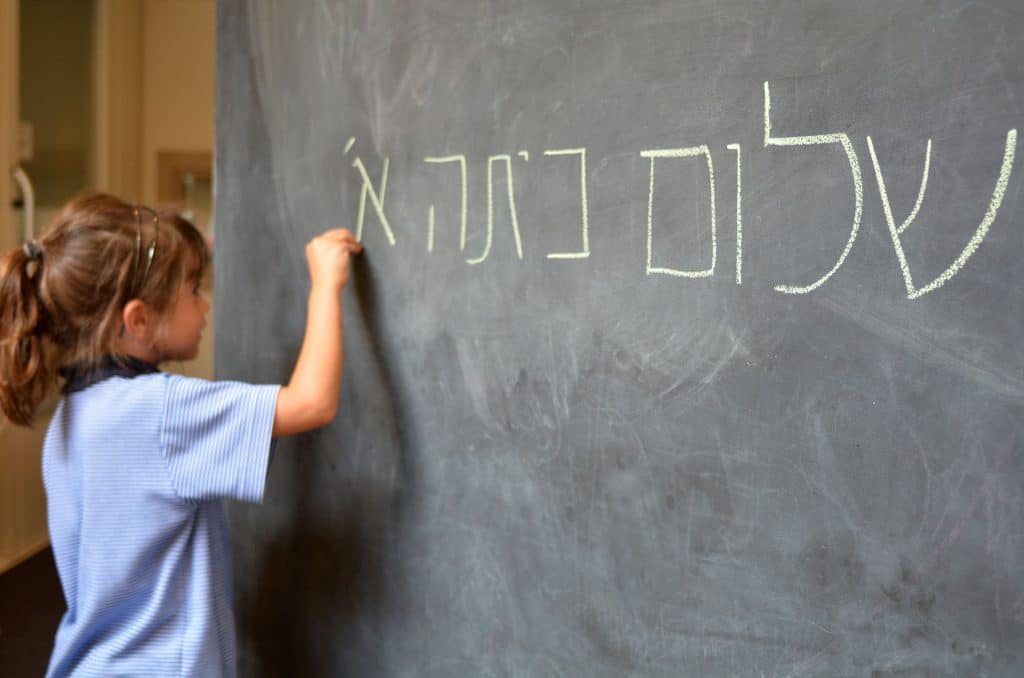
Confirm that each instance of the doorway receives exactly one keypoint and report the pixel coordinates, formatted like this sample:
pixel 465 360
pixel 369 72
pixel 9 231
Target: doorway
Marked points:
pixel 47 76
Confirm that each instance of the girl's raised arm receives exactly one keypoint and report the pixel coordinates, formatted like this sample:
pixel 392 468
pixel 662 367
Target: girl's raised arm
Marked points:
pixel 310 399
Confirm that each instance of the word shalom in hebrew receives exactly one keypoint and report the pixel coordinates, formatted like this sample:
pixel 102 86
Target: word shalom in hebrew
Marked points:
pixel 376 194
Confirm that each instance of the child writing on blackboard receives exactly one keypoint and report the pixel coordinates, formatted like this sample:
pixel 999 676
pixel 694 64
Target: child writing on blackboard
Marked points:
pixel 135 460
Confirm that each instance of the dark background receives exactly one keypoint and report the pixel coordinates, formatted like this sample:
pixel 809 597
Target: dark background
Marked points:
pixel 573 468
pixel 31 605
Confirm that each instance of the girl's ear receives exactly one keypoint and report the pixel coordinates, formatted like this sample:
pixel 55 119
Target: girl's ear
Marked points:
pixel 138 321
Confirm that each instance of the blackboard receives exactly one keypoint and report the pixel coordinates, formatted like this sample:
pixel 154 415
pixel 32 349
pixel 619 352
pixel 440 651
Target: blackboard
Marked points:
pixel 687 339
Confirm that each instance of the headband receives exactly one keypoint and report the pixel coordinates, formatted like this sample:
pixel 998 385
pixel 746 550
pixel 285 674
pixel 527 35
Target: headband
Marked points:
pixel 32 250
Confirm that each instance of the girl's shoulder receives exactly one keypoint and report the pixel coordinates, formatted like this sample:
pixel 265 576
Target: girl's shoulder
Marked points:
pixel 205 399
pixel 169 395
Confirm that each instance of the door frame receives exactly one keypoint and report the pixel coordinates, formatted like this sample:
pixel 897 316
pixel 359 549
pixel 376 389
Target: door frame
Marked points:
pixel 117 97
pixel 116 167
pixel 10 229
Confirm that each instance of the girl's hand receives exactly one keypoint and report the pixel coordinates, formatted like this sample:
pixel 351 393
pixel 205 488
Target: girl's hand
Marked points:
pixel 328 256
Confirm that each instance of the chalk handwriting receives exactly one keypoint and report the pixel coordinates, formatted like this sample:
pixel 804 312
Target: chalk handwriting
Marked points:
pixel 377 198
pixel 739 213
pixel 376 194
pixel 507 159
pixel 585 252
pixel 690 152
pixel 1005 170
pixel 430 228
pixel 858 185
pixel 461 159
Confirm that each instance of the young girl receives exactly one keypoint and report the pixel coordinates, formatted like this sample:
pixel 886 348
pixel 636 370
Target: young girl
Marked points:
pixel 135 461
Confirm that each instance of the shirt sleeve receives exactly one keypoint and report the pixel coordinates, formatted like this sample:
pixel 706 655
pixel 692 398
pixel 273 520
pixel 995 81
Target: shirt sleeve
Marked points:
pixel 216 438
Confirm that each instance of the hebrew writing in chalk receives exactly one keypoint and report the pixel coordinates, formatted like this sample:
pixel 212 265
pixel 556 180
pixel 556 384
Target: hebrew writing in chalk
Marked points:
pixel 464 197
pixel 690 152
pixel 376 196
pixel 979 234
pixel 585 246
pixel 376 193
pixel 507 159
pixel 739 213
pixel 858 186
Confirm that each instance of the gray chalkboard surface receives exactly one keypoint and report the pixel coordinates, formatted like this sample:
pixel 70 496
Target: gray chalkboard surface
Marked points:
pixel 688 338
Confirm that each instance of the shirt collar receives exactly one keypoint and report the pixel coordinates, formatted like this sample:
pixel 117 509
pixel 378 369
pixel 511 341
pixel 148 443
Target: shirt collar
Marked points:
pixel 80 376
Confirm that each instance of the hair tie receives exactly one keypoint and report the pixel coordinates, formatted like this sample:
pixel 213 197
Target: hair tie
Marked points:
pixel 32 250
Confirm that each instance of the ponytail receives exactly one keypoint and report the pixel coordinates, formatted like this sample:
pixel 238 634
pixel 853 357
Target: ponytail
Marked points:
pixel 25 375
pixel 61 298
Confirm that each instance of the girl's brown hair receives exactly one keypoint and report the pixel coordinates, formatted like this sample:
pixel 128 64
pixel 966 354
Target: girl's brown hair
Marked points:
pixel 61 297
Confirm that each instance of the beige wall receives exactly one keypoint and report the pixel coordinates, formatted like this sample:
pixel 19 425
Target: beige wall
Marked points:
pixel 178 82
pixel 21 505
pixel 22 501
pixel 117 116
pixel 178 106
pixel 10 223
pixel 154 79
pixel 56 96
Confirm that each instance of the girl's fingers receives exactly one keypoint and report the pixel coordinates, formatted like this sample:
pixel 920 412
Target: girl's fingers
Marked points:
pixel 345 239
pixel 350 247
pixel 339 234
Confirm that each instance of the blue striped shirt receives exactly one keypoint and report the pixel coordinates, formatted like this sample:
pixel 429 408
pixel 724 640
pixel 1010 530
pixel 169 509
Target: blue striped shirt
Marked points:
pixel 134 470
